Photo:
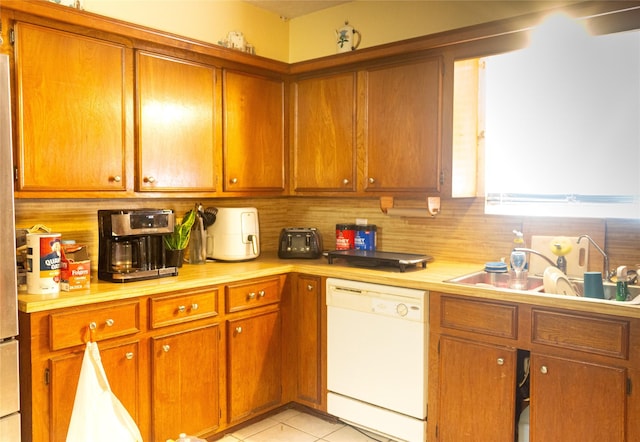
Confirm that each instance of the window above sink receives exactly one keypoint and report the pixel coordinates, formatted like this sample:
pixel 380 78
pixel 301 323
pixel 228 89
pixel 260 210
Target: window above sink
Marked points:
pixel 556 125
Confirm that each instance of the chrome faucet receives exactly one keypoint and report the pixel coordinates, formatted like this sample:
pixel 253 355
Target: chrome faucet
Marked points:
pixel 535 252
pixel 606 272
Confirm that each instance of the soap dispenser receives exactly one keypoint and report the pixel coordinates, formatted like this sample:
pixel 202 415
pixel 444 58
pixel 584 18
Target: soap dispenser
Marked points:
pixel 518 243
pixel 621 283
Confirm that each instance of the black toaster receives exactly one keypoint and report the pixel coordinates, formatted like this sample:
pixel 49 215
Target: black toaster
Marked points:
pixel 300 242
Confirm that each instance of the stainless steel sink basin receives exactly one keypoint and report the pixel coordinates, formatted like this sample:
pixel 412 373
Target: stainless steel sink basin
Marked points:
pixel 501 280
pixel 536 284
pixel 610 290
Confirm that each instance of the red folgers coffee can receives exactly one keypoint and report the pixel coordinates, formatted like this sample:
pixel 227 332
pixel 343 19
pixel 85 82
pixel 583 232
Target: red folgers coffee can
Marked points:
pixel 345 236
pixel 365 237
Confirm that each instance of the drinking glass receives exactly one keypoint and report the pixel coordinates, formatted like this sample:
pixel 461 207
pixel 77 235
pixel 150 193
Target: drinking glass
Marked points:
pixel 518 263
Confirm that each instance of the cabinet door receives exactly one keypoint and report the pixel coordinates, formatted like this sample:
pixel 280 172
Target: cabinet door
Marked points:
pixel 72 110
pixel 324 133
pixel 573 400
pixel 254 154
pixel 477 392
pixel 121 364
pixel 184 394
pixel 253 365
pixel 177 124
pixel 402 138
pixel 310 341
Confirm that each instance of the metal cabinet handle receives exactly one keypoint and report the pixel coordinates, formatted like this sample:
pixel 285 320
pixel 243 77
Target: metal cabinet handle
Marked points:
pixel 372 180
pixel 234 180
pixel 309 287
pixel 166 348
pixel 238 329
pixel 544 369
pixel 116 179
pixel 345 181
pixel 261 293
pixel 109 322
pixel 182 308
pixel 251 295
pixel 129 355
pixel 93 325
pixel 149 179
pixel 194 306
pixel 500 361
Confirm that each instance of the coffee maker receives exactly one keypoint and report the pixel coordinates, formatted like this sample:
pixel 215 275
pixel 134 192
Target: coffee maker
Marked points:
pixel 130 244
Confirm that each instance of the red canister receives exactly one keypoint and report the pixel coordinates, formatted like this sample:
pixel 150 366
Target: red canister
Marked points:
pixel 345 236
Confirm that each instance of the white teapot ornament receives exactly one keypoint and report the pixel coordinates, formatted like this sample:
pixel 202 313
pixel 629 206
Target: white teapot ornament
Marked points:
pixel 345 37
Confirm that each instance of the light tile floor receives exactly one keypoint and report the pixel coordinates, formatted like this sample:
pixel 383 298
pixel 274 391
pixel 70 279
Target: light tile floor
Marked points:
pixel 292 425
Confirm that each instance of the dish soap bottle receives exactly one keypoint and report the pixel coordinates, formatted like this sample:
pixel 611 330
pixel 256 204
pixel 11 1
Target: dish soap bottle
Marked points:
pixel 621 283
pixel 518 243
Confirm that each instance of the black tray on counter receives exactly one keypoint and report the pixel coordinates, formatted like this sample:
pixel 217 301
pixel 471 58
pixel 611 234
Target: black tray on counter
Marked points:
pixel 375 258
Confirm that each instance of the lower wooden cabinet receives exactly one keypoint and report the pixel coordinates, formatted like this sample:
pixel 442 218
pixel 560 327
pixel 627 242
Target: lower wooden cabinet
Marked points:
pixel 253 365
pixel 122 366
pixel 477 391
pixel 184 379
pixel 581 374
pixel 595 395
pixel 309 337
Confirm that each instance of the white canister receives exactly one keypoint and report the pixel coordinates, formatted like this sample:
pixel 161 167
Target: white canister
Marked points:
pixel 43 263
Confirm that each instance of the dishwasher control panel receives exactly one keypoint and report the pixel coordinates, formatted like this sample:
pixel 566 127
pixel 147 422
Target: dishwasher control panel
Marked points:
pixel 398 302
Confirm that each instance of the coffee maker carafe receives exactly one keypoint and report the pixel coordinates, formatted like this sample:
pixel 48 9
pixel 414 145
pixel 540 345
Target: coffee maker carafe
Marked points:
pixel 130 244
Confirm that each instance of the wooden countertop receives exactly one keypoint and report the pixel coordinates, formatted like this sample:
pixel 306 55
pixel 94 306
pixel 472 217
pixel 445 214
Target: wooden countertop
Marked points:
pixel 216 273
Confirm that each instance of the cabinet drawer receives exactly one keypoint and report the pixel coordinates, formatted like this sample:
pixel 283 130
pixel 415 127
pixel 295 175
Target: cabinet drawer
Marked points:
pixel 177 308
pixel 72 328
pixel 479 316
pixel 593 334
pixel 252 294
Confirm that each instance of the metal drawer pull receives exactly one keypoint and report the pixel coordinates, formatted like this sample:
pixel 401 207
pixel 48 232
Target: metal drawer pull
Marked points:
pixel 182 308
pixel 129 355
pixel 500 361
pixel 238 329
pixel 109 322
pixel 166 348
pixel 251 295
pixel 194 306
pixel 345 181
pixel 117 179
pixel 92 326
pixel 544 369
pixel 310 287
pixel 261 293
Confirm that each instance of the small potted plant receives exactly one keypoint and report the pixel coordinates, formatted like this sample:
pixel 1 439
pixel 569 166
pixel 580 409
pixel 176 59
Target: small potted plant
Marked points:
pixel 176 242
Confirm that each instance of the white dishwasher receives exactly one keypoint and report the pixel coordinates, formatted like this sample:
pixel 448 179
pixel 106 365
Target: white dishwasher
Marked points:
pixel 377 338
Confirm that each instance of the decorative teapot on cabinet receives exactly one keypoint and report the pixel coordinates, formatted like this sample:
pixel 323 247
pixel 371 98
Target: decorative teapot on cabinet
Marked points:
pixel 345 37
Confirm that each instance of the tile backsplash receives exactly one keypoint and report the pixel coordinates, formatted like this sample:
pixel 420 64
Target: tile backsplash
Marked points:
pixel 460 232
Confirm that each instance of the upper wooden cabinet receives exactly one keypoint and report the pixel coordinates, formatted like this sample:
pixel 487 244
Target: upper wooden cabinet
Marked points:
pixel 402 129
pixel 371 132
pixel 177 108
pixel 324 133
pixel 74 111
pixel 253 133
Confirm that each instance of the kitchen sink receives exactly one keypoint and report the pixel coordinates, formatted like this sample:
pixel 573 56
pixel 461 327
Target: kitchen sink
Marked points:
pixel 501 280
pixel 610 291
pixel 536 284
